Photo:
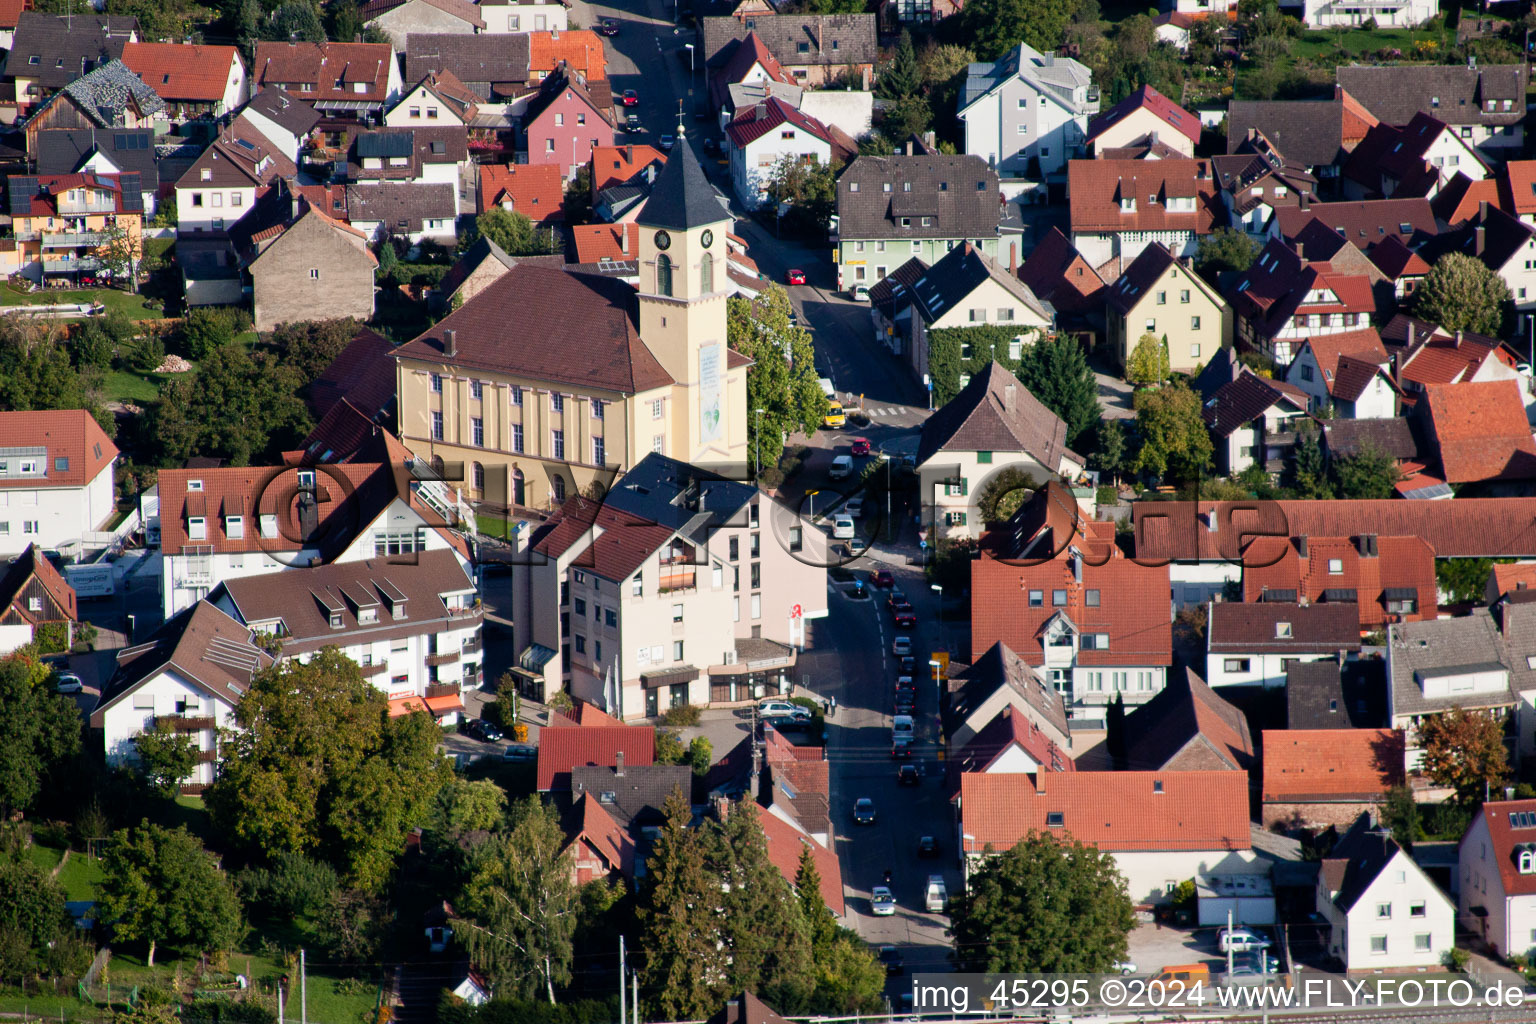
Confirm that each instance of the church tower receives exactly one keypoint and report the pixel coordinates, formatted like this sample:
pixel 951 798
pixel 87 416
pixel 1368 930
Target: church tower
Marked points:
pixel 683 291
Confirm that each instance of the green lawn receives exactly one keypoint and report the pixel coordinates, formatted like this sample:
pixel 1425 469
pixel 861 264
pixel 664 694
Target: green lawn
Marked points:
pixel 112 298
pixel 1361 43
pixel 126 386
pixel 158 246
pixel 45 857
pixel 79 876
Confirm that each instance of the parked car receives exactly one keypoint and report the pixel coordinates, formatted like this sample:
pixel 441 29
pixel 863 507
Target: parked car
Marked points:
pixel 480 729
pixel 906 620
pixel 632 123
pixel 842 466
pixel 842 527
pixel 928 847
pixel 787 723
pixel 783 707
pixel 1240 940
pixel 667 142
pixel 1125 967
pixel 890 956
pixel 881 902
pixel 520 752
pixel 608 26
pixel 908 775
pixel 864 811
pixel 857 547
pixel 70 683
pixel 630 98
pixel 901 646
pixel 854 507
pixel 794 276
pixel 859 446
pixel 884 580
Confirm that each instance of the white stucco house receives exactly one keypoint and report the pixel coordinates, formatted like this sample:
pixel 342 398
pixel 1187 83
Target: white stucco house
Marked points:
pixel 56 479
pixel 1496 877
pixel 1384 913
pixel 1252 643
pixel 761 135
pixel 1027 113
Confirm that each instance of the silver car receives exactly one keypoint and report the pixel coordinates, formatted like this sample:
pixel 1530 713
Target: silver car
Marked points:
pixel 881 902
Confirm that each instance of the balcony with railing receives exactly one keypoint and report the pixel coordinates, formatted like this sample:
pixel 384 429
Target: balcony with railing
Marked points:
pixel 472 646
pixel 184 723
pixel 445 658
pixel 441 690
pixel 79 266
pixel 207 756
pixel 377 668
pixel 73 239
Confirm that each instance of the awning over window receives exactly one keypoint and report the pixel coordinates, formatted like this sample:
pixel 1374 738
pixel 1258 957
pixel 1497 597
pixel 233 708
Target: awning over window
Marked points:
pixel 671 677
pixel 1401 593
pixel 535 657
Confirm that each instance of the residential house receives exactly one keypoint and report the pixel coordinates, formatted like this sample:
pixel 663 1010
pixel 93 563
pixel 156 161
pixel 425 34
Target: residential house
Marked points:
pixel 1327 695
pixel 920 13
pixel 1402 266
pixel 1382 911
pixel 1479 431
pixel 615 165
pixel 795 785
pixel 1186 727
pixel 563 748
pixel 1496 876
pixel 1387 579
pixel 1257 643
pixel 418 156
pixel 1058 274
pixel 964 289
pixel 1253 422
pixel 1010 743
pixel 100 151
pixel 816 50
pixel 633 795
pixel 1424 354
pixel 1393 13
pixel 1257 180
pixel 1000 679
pixel 493 67
pixel 1517 189
pixel 1502 243
pixel 1159 827
pixel 413 624
pixel 619 375
pixel 994 424
pixel 51 51
pixel 514 16
pixel 1281 300
pixel 1160 296
pixel 32 596
pixel 537 191
pixel 784 841
pixel 1094 623
pixel 1391 436
pixel 231 522
pixel 1316 134
pixel 188 677
pixel 108 96
pixel 1415 160
pixel 1027 114
pixel 10 13
pixel 194 80
pixel 56 479
pixel 399 19
pixel 1315 778
pixel 1469 662
pixel 403 209
pixel 482 263
pixel 1509 578
pixel 76 227
pixel 620 202
pixel 314 262
pixel 1145 115
pixel 1461 198
pixel 1346 372
pixel 673 554
pixel 567 119
pixel 1119 207
pixel 763 136
pixel 1483 103
pixel 1365 224
pixel 353 81
pixel 579 51
pixel 893 208
pixel 598 848
pixel 282 119
pixel 438 100
pixel 224 183
pixel 360 378
pixel 751 63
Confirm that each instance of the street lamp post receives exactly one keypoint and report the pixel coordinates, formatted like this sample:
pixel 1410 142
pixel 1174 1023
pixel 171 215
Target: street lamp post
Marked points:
pixel 886 458
pixel 757 442
pixel 811 495
pixel 938 588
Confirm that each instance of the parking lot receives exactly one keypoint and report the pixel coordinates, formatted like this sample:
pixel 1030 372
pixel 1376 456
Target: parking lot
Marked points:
pixel 1154 946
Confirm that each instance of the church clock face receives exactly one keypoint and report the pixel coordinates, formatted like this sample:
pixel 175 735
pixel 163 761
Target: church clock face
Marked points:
pixel 708 238
pixel 663 240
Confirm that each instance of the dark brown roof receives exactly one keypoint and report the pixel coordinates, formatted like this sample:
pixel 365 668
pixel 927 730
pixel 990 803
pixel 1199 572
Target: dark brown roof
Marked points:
pixel 833 40
pixel 1392 436
pixel 590 337
pixel 479 61
pixel 331 69
pixel 65 48
pixel 1455 93
pixel 1186 713
pixel 1365 222
pixel 626 542
pixel 402 206
pixel 1310 132
pixel 958 193
pixel 1056 272
pixel 283 109
pixel 994 412
pixel 23 568
pixel 1254 628
pixel 363 372
pixel 1242 401
pixel 960 272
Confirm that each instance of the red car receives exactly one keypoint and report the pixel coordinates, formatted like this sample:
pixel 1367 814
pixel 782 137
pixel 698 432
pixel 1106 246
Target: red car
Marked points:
pixel 631 98
pixel 906 620
pixel 860 446
pixel 795 277
pixel 884 580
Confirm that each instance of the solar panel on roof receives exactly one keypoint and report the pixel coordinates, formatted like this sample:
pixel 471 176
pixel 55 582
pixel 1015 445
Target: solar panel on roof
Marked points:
pixel 22 189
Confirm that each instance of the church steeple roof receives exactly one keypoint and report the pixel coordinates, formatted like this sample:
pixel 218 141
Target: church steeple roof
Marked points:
pixel 682 197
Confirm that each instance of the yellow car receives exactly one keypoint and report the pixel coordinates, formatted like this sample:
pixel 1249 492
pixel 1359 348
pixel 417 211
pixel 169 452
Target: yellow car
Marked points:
pixel 835 416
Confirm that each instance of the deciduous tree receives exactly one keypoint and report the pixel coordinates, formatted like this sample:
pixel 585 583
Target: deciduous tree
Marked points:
pixel 1371 473
pixel 1174 440
pixel 1461 294
pixel 1057 373
pixel 1046 905
pixel 513 231
pixel 1225 249
pixel 1148 362
pixel 1464 750
pixel 39 729
pixel 994 27
pixel 166 757
pixel 160 886
pixel 782 379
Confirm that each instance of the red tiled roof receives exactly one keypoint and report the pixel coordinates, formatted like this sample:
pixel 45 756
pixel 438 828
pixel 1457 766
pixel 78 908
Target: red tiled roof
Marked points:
pixel 1149 99
pixel 1325 765
pixel 1406 563
pixel 590 715
pixel 1460 199
pixel 596 242
pixel 605 836
pixel 1114 811
pixel 1503 838
pixel 1519 181
pixel 537 191
pixel 183 71
pixel 580 49
pixel 331 68
pixel 1357 121
pixel 562 748
pixel 1007 729
pixel 44 202
pixel 750 51
pixel 1364 344
pixel 1449 360
pixel 28 565
pixel 10 11
pixel 1056 272
pixel 752 123
pixel 785 842
pixel 1096 187
pixel 1133 607
pixel 1513 576
pixel 1481 431
pixel 613 165
pixel 71 434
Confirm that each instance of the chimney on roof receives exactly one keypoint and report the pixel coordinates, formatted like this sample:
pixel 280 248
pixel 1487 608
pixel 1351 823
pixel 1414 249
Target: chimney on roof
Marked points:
pixel 1013 259
pixel 450 342
pixel 554 33
pixel 930 140
pixel 1008 397
pixel 909 147
pixel 1458 337
pixel 624 239
pixel 618 764
pixel 1301 252
pixel 1338 91
pixel 1479 235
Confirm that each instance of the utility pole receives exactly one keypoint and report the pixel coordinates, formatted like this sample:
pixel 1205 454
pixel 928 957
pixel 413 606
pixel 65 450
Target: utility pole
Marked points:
pixel 634 1000
pixel 621 979
pixel 279 1003
pixel 303 992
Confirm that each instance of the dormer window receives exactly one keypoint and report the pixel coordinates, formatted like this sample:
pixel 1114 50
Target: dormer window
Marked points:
pixel 234 527
pixel 197 528
pixel 367 616
pixel 335 620
pixel 1128 205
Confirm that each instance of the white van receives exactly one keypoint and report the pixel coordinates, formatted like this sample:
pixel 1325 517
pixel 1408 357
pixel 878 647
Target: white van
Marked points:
pixel 901 727
pixel 842 466
pixel 826 386
pixel 937 896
